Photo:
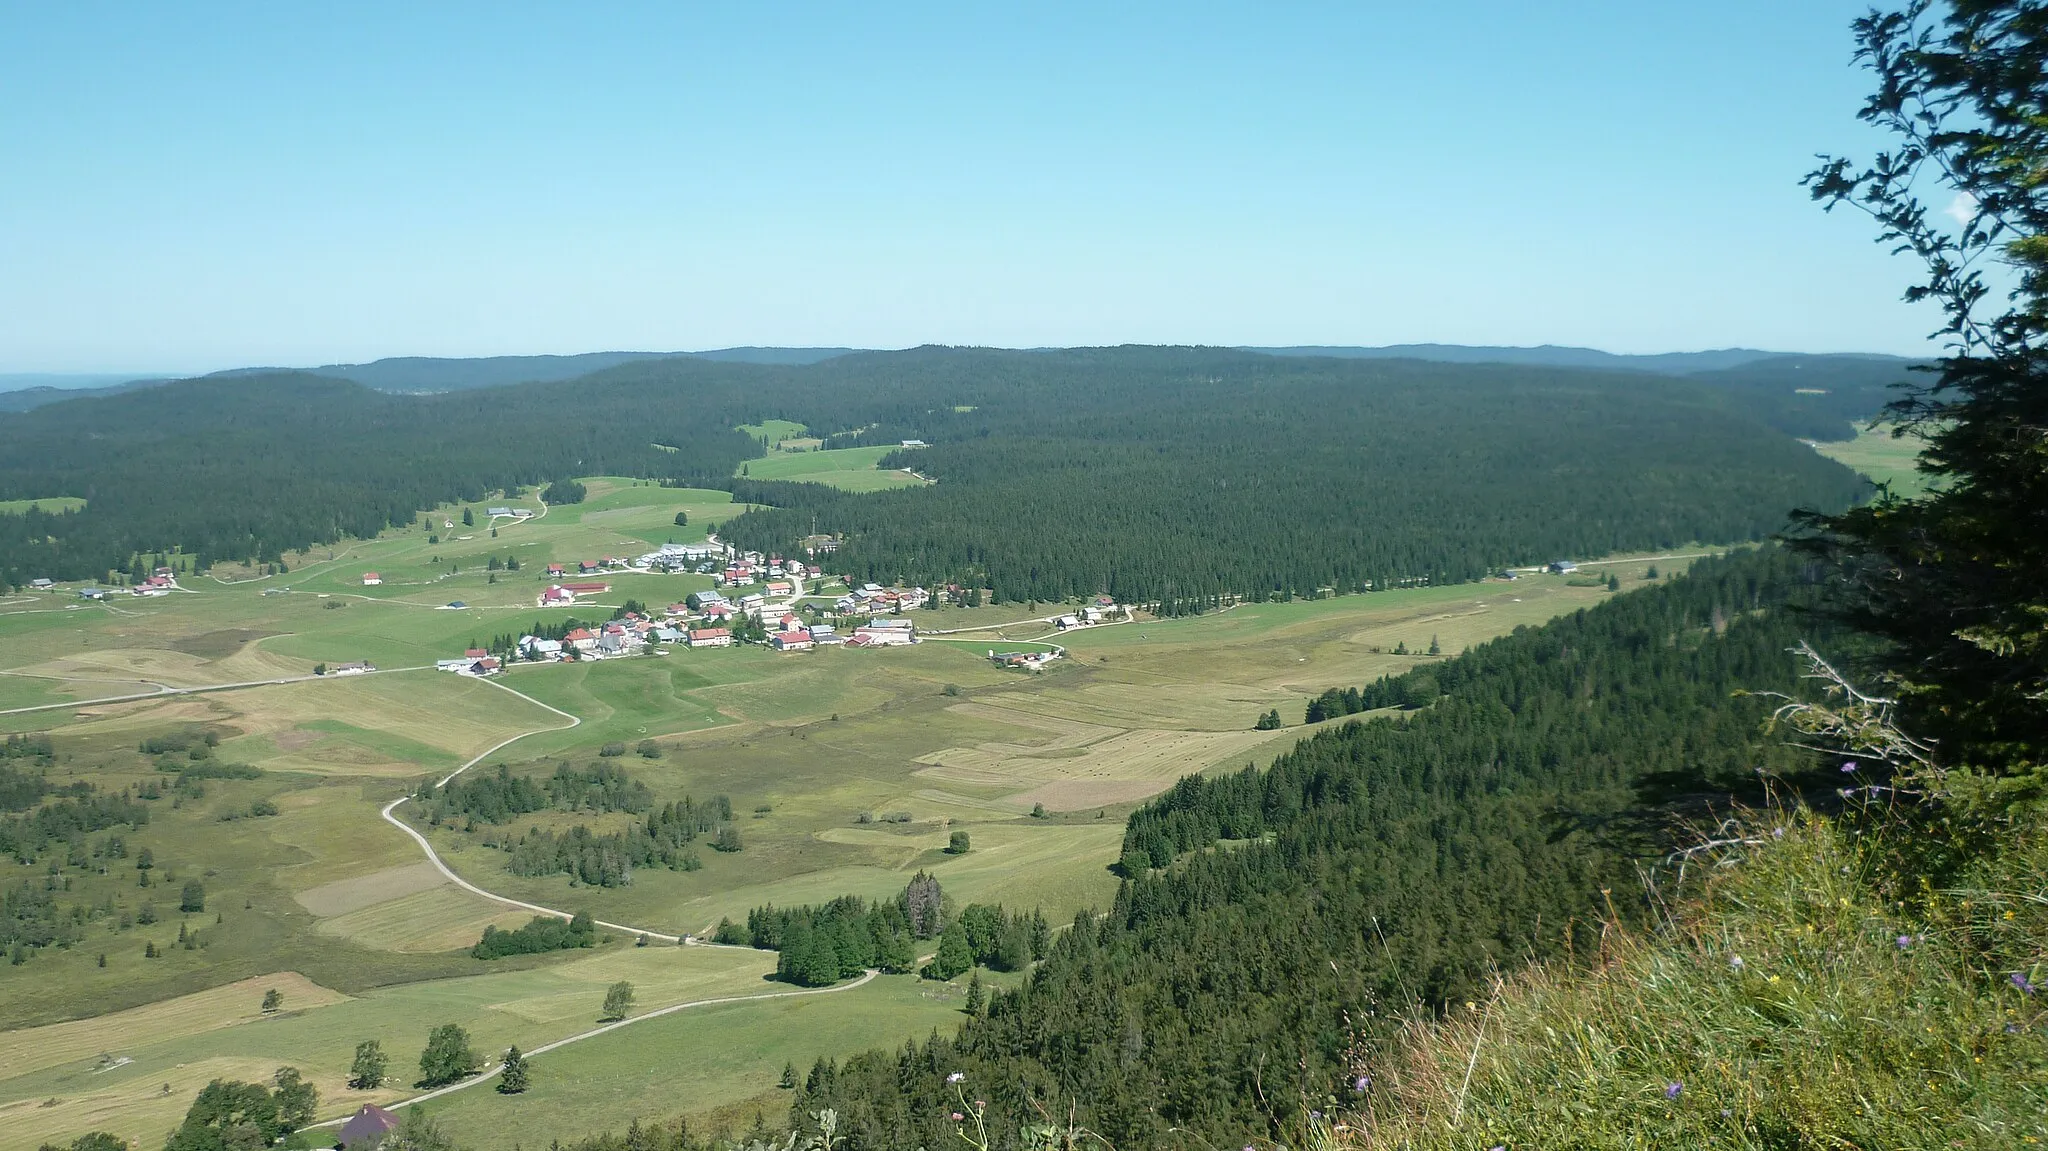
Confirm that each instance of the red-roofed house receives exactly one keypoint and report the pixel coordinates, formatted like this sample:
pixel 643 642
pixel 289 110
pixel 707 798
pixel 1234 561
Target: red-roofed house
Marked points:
pixel 793 641
pixel 710 637
pixel 557 596
pixel 372 579
pixel 555 569
pixel 587 588
pixel 581 639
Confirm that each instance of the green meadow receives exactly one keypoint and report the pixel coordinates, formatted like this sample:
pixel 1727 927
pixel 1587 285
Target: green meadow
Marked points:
pixel 1882 457
pixel 847 771
pixel 850 469
pixel 51 504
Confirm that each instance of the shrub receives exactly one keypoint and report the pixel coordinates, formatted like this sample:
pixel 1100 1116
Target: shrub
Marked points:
pixel 612 749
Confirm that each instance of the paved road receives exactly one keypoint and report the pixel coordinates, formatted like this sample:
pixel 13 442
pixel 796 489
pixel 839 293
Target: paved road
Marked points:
pixel 492 1072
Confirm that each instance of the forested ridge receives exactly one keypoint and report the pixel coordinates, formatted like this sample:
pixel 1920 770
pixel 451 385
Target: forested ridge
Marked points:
pixel 1301 909
pixel 1179 476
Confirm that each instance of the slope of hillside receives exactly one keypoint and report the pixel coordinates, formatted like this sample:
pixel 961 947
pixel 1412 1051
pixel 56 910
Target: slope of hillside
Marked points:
pixel 1281 922
pixel 1808 997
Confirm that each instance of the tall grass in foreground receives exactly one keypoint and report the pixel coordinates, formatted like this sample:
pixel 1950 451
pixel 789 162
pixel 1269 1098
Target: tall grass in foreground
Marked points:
pixel 1801 1002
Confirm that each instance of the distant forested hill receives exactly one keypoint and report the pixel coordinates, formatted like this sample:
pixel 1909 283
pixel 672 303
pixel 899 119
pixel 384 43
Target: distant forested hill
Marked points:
pixel 1177 475
pixel 1296 915
pixel 251 467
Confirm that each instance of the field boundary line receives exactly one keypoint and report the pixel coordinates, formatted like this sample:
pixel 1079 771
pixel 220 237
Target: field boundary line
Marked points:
pixel 492 1073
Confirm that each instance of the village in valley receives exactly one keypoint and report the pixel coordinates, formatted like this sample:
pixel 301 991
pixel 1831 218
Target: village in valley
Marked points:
pixel 755 599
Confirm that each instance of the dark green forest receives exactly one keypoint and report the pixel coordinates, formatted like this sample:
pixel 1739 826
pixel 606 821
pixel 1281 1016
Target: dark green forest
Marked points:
pixel 1276 924
pixel 1171 475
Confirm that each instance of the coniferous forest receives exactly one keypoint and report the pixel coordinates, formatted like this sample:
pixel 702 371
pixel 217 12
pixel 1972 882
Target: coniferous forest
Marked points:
pixel 1174 476
pixel 1276 924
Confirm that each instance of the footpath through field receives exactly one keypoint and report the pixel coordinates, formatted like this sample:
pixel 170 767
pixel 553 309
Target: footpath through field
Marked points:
pixel 163 691
pixel 433 857
pixel 490 1073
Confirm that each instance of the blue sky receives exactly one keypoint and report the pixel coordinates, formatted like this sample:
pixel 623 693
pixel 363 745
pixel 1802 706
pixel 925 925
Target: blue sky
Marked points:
pixel 203 186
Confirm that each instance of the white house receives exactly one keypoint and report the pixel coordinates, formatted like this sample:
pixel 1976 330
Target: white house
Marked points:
pixel 372 579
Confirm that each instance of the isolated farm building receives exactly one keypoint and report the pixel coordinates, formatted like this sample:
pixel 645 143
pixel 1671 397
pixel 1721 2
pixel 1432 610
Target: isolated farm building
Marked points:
pixel 372 579
pixel 92 593
pixel 710 637
pixel 456 605
pixel 485 666
pixel 497 511
pixel 557 596
pixel 367 1129
pixel 883 636
pixel 586 566
pixel 1066 621
pixel 793 641
pixel 358 668
pixel 1563 567
pixel 913 443
pixel 555 570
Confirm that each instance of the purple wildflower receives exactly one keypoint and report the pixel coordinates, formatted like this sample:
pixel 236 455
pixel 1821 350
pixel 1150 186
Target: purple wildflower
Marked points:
pixel 1777 833
pixel 1672 1091
pixel 1361 1083
pixel 1849 766
pixel 2020 981
pixel 1735 961
pixel 1905 941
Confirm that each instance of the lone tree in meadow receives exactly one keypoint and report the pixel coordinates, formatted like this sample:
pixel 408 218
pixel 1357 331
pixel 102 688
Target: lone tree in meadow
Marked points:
pixel 512 1078
pixel 447 1057
pixel 367 1072
pixel 958 844
pixel 618 1001
pixel 273 1001
pixel 193 897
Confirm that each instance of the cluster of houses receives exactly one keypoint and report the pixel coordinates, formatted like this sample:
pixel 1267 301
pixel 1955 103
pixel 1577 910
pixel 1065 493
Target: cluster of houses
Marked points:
pixel 162 582
pixel 872 598
pixel 1022 660
pixel 744 571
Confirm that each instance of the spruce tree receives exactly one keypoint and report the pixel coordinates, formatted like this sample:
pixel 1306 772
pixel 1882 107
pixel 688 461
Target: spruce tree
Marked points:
pixel 512 1078
pixel 976 997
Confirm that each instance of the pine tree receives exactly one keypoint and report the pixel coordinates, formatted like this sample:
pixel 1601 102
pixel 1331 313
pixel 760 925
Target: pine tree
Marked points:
pixel 789 1079
pixel 976 997
pixel 512 1079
